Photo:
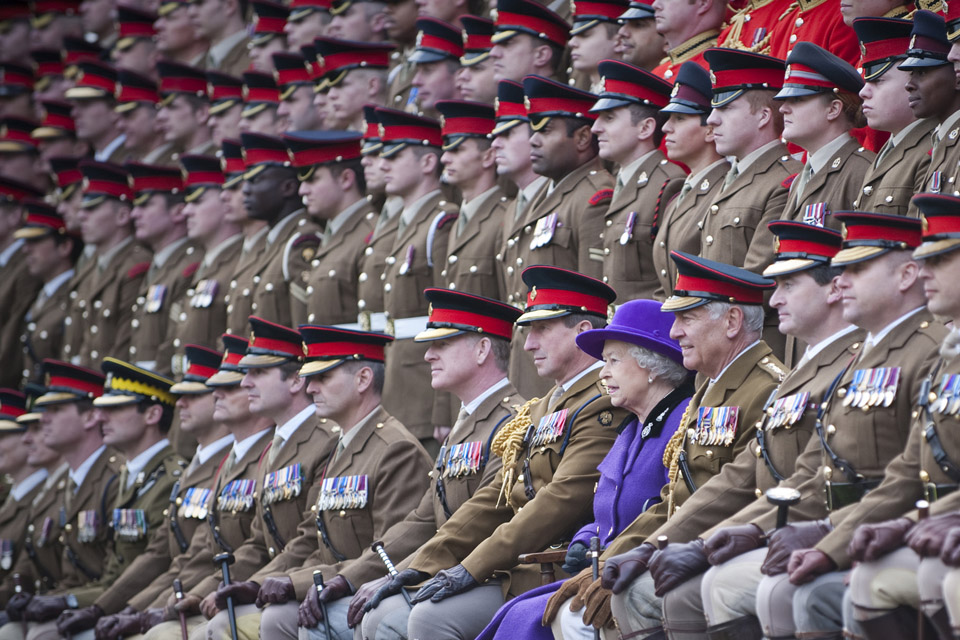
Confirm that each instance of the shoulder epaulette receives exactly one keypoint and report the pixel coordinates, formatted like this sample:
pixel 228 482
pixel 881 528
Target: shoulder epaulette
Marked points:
pixel 138 269
pixel 191 269
pixel 771 366
pixel 789 181
pixel 600 196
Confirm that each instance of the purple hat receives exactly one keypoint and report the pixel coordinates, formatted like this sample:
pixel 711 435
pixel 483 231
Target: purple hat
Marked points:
pixel 638 322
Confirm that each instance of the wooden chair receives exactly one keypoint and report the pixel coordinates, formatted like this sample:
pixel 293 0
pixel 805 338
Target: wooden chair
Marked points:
pixel 547 560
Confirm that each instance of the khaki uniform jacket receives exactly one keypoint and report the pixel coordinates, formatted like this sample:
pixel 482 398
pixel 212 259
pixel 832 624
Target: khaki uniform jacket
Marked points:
pixel 39 564
pixel 233 526
pixel 745 479
pixel 309 447
pixel 18 290
pixel 470 262
pixel 14 516
pixel 327 293
pixel 236 61
pixel 288 257
pixel 889 185
pixel 41 336
pixel 149 493
pixel 372 266
pixel 738 212
pixel 83 561
pixel 414 264
pixel 239 298
pixel 405 537
pixel 746 384
pixel 942 174
pixel 400 79
pixel 680 226
pixel 82 281
pixel 487 533
pixel 631 223
pixel 869 439
pixel 199 316
pixel 395 466
pixel 106 310
pixel 151 338
pixel 162 545
pixel 905 476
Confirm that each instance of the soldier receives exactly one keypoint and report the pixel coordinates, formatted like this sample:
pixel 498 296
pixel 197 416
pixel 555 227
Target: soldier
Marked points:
pixel 136 49
pixel 14 28
pixel 437 59
pixel 57 133
pixel 176 38
pixel 332 187
pixel 68 193
pixel 638 42
pixel 97 20
pixel 628 129
pixel 200 313
pixel 688 139
pixel 471 568
pixel 589 44
pixel 528 39
pixel 101 311
pixel 261 99
pixel 687 34
pixel 357 20
pixel 902 163
pixel 469 352
pixel 475 79
pixel 19 153
pixel 269 19
pixel 400 25
pixel 226 105
pixel 410 160
pixel 69 426
pixel 160 224
pixel 222 23
pixel 752 28
pixel 54 20
pixel 183 502
pixel 308 19
pixel 183 108
pixel 16 91
pixel 137 105
pixel 718 425
pixel 296 112
pixel 50 253
pixel 355 74
pixel 93 102
pixel 820 23
pixel 50 81
pixel 857 438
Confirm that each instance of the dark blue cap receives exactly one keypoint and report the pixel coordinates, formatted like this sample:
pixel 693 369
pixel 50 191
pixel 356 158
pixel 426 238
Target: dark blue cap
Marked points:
pixel 929 45
pixel 692 90
pixel 812 70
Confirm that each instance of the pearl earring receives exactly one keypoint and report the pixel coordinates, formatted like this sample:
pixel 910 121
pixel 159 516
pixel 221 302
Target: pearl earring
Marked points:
pixel 650 379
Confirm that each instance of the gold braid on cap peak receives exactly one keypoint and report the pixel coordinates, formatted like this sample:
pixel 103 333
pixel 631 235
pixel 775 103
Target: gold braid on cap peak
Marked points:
pixel 671 456
pixel 122 384
pixel 508 443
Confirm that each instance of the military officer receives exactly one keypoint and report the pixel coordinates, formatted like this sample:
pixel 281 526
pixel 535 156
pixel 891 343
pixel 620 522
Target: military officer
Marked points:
pixel 628 129
pixel 474 567
pixel 688 139
pixel 410 160
pixel 225 93
pixel 182 112
pixel 638 42
pixel 752 28
pixel 528 39
pixel 308 19
pixel 160 224
pixel 354 74
pixel 138 101
pixel 593 39
pixel 50 252
pixel 469 349
pixel 261 99
pixel 687 36
pixel 135 46
pixel 475 80
pixel 437 59
pixel 296 112
pixel 93 101
pixel 102 309
pixel 858 434
pixel 333 190
pixel 269 20
pixel 901 164
pixel 199 314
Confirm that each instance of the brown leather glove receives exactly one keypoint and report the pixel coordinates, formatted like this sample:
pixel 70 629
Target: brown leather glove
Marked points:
pixel 338 587
pixel 596 605
pixel 17 604
pixel 241 592
pixel 807 564
pixel 784 541
pixel 870 541
pixel 927 537
pixel 45 608
pixel 275 590
pixel 620 570
pixel 357 603
pixel 730 542
pixel 309 614
pixel 675 564
pixel 118 625
pixel 950 550
pixel 76 620
pixel 572 588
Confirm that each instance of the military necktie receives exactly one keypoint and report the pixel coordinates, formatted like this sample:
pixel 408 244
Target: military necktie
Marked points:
pixel 231 460
pixel 462 417
pixel 887 148
pixel 805 176
pixel 731 176
pixel 278 441
pixel 555 398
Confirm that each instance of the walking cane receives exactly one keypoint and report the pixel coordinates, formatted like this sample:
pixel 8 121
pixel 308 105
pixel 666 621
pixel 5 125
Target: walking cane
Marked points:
pixel 782 498
pixel 178 594
pixel 318 583
pixel 18 588
pixel 923 511
pixel 595 563
pixel 391 569
pixel 225 560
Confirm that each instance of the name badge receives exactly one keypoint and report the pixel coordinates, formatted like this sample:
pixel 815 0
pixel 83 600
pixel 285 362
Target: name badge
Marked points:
pixel 194 503
pixel 343 492
pixel 129 524
pixel 785 412
pixel 88 522
pixel 282 484
pixel 460 460
pixel 237 496
pixel 716 426
pixel 872 388
pixel 551 427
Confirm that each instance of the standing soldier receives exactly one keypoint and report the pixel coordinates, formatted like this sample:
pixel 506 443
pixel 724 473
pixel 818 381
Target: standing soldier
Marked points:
pixel 528 39
pixel 261 99
pixel 137 103
pixel 226 106
pixel 296 112
pixel 437 60
pixel 475 80
pixel 183 109
pixel 638 42
pixel 93 101
pixel 354 74
pixel 593 38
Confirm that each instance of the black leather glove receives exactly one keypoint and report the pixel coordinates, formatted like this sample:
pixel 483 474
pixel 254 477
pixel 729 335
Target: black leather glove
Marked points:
pixel 619 571
pixel 677 563
pixel 406 578
pixel 784 541
pixel 76 620
pixel 45 608
pixel 359 601
pixel 17 604
pixel 576 560
pixel 730 542
pixel 277 590
pixel 446 583
pixel 870 541
pixel 241 592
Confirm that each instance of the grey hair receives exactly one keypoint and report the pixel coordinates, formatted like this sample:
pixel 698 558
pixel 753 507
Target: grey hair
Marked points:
pixel 659 366
pixel 752 314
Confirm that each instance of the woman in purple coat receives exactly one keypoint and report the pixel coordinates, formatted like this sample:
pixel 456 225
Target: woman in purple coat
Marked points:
pixel 643 372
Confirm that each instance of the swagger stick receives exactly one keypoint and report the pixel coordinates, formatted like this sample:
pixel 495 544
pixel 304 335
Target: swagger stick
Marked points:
pixel 391 569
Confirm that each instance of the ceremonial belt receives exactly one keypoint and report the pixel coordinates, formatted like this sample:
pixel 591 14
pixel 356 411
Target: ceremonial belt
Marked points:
pixel 272 527
pixel 174 524
pixel 45 576
pixel 325 536
pixel 841 494
pixel 441 488
pixel 930 430
pixel 762 441
pixel 838 462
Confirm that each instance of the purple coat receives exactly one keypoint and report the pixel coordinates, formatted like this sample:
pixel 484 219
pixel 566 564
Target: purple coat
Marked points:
pixel 631 477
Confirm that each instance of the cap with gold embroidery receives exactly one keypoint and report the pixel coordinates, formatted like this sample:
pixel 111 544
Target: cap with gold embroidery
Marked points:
pixel 149 179
pixel 531 18
pixel 223 91
pixel 65 382
pixel 314 66
pixel 940 221
pixel 453 313
pixel 199 174
pixel 15 191
pixel 509 106
pixel 951 15
pixel 133 24
pixel 41 221
pixel 169 6
pixel 45 11
pixel 271 345
pixel 33 391
pixel 47 65
pixel 13 11
pixel 325 348
pixel 57 122
pixel 436 40
pixel 300 9
pixel 462 119
pixel 310 149
pixel 812 70
pixel 260 92
pixel 230 373
pixel 636 11
pixel 77 50
pixel 16 135
pixel 102 180
pixel 799 246
pixel 691 91
pixel 733 71
pixel 231 162
pixel 556 292
pixel 929 45
pixel 399 129
pixel 869 235
pixel 883 43
pixel 13 404
pixel 135 90
pixel 589 13
pixel 477 33
pixel 202 364
pixel 624 84
pixel 177 78
pixel 67 171
pixel 15 79
pixel 128 384
pixel 95 81
pixel 292 72
pixel 269 19
pixel 700 281
pixel 545 99
pixel 340 56
pixel 261 151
